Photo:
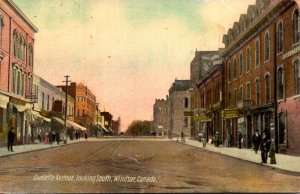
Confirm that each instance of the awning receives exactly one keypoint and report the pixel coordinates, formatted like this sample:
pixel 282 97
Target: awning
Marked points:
pixel 103 127
pixel 62 122
pixel 38 115
pixel 76 126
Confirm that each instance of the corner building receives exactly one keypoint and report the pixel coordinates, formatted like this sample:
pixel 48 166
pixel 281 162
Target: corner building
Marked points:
pixel 262 73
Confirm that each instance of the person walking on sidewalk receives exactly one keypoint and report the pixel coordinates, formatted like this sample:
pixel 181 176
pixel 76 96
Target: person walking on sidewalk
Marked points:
pixel 10 139
pixel 256 139
pixel 265 147
pixel 240 140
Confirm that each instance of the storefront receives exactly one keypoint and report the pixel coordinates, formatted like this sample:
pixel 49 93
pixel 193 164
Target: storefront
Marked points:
pixel 230 127
pixel 204 124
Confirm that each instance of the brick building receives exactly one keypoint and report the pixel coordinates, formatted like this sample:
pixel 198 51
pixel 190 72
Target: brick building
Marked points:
pixel 199 66
pixel 160 115
pixel 179 108
pixel 208 117
pixel 85 104
pixel 262 73
pixel 16 70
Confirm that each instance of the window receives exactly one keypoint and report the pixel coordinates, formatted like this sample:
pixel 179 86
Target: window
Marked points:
pixel 186 121
pixel 267 46
pixel 235 97
pixel 241 93
pixel 282 129
pixel 257 84
pixel 229 99
pixel 43 100
pixel 29 91
pixel 14 78
pixel 18 83
pixel 36 92
pixel 15 40
pixel 280 37
pixel 295 26
pixel 185 103
pixel 52 103
pixel 22 84
pixel 268 89
pixel 280 83
pixel 229 71
pixel 297 76
pixel 241 64
pixel 234 68
pixel 257 53
pixel 48 102
pixel 1 26
pixel 82 112
pixel 30 55
pixel 248 59
pixel 248 90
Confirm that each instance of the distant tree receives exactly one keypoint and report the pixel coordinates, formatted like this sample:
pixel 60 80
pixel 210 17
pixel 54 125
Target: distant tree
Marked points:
pixel 139 128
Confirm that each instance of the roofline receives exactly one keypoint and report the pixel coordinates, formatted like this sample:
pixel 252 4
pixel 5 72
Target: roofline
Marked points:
pixel 23 16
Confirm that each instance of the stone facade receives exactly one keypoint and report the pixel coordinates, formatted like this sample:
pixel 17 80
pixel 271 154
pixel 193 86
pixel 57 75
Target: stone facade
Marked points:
pixel 160 115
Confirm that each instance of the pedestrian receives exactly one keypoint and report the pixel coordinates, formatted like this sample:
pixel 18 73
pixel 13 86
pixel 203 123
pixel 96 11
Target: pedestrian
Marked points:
pixel 256 139
pixel 229 139
pixel 217 139
pixel 85 135
pixel 53 136
pixel 46 137
pixel 10 139
pixel 76 135
pixel 79 134
pixel 39 137
pixel 265 147
pixel 240 140
pixel 57 138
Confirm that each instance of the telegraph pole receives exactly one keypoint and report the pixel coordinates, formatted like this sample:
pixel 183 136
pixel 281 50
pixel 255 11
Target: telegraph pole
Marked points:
pixel 66 106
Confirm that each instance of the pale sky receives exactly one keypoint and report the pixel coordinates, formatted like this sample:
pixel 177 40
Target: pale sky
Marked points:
pixel 128 52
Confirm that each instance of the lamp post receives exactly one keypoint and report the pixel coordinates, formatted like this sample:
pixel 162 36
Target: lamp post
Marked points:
pixel 66 108
pixel 97 117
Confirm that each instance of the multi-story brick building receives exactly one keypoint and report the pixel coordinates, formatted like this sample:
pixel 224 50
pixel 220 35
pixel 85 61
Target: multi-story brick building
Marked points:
pixel 160 115
pixel 199 66
pixel 210 86
pixel 85 104
pixel 179 108
pixel 262 54
pixel 16 69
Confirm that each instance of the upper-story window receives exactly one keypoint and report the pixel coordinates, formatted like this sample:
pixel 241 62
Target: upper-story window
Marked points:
pixel 1 26
pixel 185 103
pixel 268 89
pixel 229 71
pixel 30 55
pixel 297 76
pixel 15 42
pixel 248 91
pixel 258 91
pixel 280 83
pixel 241 93
pixel 229 99
pixel 235 97
pixel 234 68
pixel 257 53
pixel 295 26
pixel 280 37
pixel 248 59
pixel 241 63
pixel 267 46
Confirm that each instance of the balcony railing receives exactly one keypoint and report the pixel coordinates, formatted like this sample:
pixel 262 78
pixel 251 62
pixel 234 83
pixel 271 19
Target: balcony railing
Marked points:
pixel 244 104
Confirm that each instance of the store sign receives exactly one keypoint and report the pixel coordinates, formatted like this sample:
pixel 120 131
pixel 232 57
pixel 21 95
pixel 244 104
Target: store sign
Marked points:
pixel 201 117
pixel 230 113
pixel 17 101
pixel 290 53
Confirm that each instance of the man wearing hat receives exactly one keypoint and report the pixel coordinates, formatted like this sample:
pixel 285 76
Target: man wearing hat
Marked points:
pixel 10 139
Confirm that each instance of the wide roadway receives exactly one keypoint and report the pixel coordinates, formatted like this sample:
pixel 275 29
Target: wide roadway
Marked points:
pixel 137 166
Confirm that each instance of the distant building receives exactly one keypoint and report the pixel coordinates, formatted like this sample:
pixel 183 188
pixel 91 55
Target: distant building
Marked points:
pixel 160 117
pixel 179 108
pixel 107 120
pixel 115 125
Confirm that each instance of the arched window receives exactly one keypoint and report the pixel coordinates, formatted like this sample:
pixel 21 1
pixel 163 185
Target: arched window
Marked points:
pixel 297 76
pixel 258 91
pixel 248 59
pixel 295 26
pixel 268 89
pixel 15 40
pixel 229 71
pixel 241 93
pixel 241 63
pixel 267 46
pixel 280 37
pixel 234 68
pixel 280 83
pixel 257 53
pixel 1 26
pixel 248 90
pixel 30 55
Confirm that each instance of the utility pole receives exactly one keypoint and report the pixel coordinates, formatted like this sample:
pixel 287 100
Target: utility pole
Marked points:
pixel 66 106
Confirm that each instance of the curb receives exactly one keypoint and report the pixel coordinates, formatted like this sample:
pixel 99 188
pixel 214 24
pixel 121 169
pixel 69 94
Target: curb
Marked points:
pixel 18 153
pixel 278 169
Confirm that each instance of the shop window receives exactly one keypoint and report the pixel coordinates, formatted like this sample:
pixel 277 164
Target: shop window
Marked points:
pixel 282 129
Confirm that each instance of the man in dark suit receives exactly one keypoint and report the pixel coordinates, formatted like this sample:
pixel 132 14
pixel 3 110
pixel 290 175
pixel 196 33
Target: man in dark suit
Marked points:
pixel 265 147
pixel 10 139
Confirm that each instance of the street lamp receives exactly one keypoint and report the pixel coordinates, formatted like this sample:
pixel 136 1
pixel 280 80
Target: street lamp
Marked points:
pixel 97 116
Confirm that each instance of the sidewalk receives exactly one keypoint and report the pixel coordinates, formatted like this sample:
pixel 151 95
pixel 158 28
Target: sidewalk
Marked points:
pixel 18 149
pixel 284 162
